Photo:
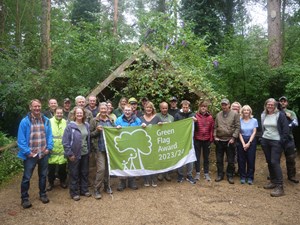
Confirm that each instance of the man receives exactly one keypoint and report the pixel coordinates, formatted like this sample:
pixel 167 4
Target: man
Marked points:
pixel 165 118
pixel 35 143
pixel 92 106
pixel 164 115
pixel 134 104
pixel 173 106
pixel 184 113
pixel 80 102
pixel 289 148
pixel 57 161
pixel 127 119
pixel 52 104
pixel 96 128
pixel 226 132
pixel 67 108
pixel 144 101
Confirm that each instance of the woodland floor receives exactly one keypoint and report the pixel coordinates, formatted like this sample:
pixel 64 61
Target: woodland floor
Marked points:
pixel 169 203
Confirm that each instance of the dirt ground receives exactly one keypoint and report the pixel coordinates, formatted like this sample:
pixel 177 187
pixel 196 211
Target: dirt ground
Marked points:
pixel 169 203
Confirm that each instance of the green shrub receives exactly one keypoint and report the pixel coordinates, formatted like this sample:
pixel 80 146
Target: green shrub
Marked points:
pixel 10 164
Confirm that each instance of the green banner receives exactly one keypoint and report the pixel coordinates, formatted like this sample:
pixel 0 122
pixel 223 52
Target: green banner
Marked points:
pixel 137 151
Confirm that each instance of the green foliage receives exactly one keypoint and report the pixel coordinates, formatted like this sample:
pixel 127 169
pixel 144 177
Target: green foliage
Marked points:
pixel 4 139
pixel 84 10
pixel 9 164
pixel 183 64
pixel 243 74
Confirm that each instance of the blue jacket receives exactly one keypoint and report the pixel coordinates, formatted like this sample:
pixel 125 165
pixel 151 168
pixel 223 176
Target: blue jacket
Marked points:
pixel 134 121
pixel 72 141
pixel 24 136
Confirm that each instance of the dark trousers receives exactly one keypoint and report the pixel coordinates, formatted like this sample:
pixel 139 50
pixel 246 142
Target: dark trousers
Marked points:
pixel 246 159
pixel 205 146
pixel 273 151
pixel 290 158
pixel 221 148
pixel 79 173
pixel 29 165
pixel 62 172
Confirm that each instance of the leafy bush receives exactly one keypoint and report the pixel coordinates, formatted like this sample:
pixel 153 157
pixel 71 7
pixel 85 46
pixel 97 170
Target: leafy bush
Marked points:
pixel 4 140
pixel 9 164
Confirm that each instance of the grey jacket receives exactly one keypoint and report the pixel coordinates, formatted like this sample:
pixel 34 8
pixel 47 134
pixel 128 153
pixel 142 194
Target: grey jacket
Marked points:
pixel 72 140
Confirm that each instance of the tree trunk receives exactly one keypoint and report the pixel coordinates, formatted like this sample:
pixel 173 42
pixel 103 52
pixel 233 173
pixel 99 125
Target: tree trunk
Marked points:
pixel 116 17
pixel 46 45
pixel 2 20
pixel 18 25
pixel 274 33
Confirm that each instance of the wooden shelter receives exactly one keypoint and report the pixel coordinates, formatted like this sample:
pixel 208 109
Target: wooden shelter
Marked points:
pixel 117 80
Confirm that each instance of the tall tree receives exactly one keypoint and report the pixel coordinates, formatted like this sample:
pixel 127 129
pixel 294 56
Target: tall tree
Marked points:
pixel 84 10
pixel 45 35
pixel 115 17
pixel 274 33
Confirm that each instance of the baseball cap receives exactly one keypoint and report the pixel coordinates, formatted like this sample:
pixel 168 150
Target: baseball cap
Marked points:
pixel 283 98
pixel 132 100
pixel 225 101
pixel 67 100
pixel 173 99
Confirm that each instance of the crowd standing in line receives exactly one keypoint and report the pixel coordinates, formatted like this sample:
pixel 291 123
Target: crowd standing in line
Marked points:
pixel 57 161
pixel 233 128
pixel 290 149
pixel 203 137
pixel 150 118
pixel 35 142
pixel 247 145
pixel 76 142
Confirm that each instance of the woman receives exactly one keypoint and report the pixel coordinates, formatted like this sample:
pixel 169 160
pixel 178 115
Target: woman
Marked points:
pixel 275 134
pixel 247 145
pixel 76 142
pixel 110 110
pixel 203 136
pixel 97 124
pixel 148 118
pixel 119 111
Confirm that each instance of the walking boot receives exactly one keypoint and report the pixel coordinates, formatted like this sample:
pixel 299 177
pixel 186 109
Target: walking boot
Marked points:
pixel 131 183
pixel 293 179
pixel 277 191
pixel 122 185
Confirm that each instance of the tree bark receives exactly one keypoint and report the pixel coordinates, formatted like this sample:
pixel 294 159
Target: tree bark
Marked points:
pixel 116 17
pixel 274 33
pixel 45 35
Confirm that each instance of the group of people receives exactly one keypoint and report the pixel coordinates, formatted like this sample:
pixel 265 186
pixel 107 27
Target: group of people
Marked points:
pixel 61 140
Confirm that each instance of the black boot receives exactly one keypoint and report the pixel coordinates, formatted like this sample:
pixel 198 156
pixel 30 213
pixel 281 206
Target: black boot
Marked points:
pixel 122 185
pixel 131 183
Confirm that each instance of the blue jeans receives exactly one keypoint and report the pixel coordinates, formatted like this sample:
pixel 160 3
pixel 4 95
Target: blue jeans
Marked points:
pixel 246 159
pixel 79 173
pixel 189 170
pixel 273 151
pixel 29 165
pixel 205 146
pixel 221 148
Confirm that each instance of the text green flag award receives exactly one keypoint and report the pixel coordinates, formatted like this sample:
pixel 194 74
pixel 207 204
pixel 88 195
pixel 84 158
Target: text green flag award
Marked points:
pixel 137 151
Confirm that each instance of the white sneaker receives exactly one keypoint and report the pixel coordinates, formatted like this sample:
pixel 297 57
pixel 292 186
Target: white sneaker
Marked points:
pixel 207 177
pixel 197 177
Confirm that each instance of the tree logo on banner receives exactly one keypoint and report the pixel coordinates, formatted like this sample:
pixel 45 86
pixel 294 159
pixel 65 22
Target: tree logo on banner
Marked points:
pixel 138 148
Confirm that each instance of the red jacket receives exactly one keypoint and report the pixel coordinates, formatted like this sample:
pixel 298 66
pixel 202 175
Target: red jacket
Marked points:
pixel 204 129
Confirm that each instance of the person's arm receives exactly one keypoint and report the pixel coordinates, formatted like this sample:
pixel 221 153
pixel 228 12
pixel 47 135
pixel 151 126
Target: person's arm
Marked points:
pixel 93 128
pixel 49 136
pixel 66 141
pixel 23 139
